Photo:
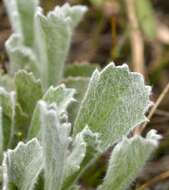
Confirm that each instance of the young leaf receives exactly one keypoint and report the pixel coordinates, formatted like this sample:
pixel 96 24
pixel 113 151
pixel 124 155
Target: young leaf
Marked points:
pixel 22 121
pixel 53 41
pixel 22 166
pixel 21 57
pixel 26 10
pixel 75 13
pixel 55 142
pixel 80 85
pixel 6 81
pixel 21 14
pixel 53 37
pixel 1 136
pixel 115 102
pixel 77 154
pixel 85 144
pixel 127 159
pixel 13 14
pixel 14 119
pixel 61 96
pixel 40 43
pixel 28 91
pixel 7 103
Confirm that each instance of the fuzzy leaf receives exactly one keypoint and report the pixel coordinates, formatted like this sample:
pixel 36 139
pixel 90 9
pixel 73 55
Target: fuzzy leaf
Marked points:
pixel 14 119
pixel 127 159
pixel 45 53
pixel 115 102
pixel 85 144
pixel 61 96
pixel 22 122
pixel 1 136
pixel 80 85
pixel 21 14
pixel 21 57
pixel 28 91
pixel 76 155
pixel 26 11
pixel 55 142
pixel 54 33
pixel 6 81
pixel 22 166
pixel 13 14
pixel 75 13
pixel 7 103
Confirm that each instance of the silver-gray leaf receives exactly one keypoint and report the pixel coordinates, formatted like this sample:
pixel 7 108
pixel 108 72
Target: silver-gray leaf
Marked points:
pixel 115 102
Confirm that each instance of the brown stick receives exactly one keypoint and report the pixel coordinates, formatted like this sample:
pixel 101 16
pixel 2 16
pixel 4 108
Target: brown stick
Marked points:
pixel 153 181
pixel 157 103
pixel 136 39
pixel 139 130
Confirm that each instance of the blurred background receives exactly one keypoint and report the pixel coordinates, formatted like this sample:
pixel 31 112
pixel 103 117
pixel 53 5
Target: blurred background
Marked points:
pixel 132 31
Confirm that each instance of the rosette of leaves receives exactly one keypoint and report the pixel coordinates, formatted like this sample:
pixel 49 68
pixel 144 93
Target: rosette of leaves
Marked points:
pixel 55 154
pixel 40 44
pixel 39 147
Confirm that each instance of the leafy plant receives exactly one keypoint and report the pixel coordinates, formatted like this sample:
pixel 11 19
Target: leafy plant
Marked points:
pixel 39 147
pixel 40 43
pixel 120 107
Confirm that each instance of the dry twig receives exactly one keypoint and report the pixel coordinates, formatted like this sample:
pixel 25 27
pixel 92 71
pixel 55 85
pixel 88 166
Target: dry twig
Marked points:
pixel 139 130
pixel 155 180
pixel 137 43
pixel 157 103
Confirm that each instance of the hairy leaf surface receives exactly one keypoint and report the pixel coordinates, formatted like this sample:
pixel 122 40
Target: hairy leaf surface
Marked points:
pixel 55 142
pixel 84 146
pixel 21 14
pixel 21 57
pixel 22 166
pixel 54 33
pixel 13 14
pixel 1 136
pixel 61 96
pixel 115 102
pixel 127 159
pixel 7 103
pixel 80 85
pixel 28 91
